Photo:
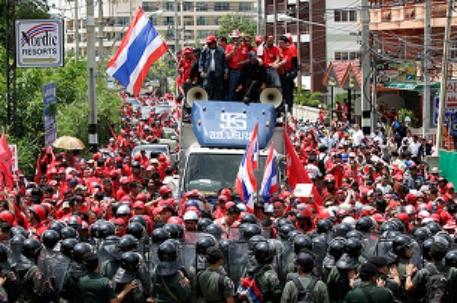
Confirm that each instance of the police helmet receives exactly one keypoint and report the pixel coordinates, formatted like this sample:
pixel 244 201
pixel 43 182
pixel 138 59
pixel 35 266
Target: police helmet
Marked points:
pixel 128 243
pixel 302 242
pixel 3 253
pixel 324 226
pixel 215 230
pixel 79 250
pixel 355 234
pixel 57 226
pixel 50 238
pixel 66 247
pixel 203 223
pixel 451 259
pixel 18 230
pixel 353 247
pixel 139 219
pixel 31 248
pixel 364 224
pixel 203 244
pixel 248 218
pixel 130 261
pixel 422 233
pixel 401 243
pixel 135 229
pixel 168 251
pixel 68 232
pixel 160 235
pixel 341 230
pixel 251 230
pixel 262 253
pixel 106 229
pixel 434 227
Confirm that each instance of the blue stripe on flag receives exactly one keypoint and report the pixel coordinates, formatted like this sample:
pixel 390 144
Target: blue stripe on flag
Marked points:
pixel 135 52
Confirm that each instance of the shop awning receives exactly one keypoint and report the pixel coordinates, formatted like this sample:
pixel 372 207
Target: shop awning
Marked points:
pixel 410 86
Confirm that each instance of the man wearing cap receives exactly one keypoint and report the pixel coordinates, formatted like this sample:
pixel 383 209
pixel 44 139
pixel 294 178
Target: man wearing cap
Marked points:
pixel 271 56
pixel 230 220
pixel 253 78
pixel 381 263
pixel 208 282
pixel 284 67
pixel 236 55
pixel 305 265
pixel 368 291
pixel 213 68
pixel 184 66
pixel 418 280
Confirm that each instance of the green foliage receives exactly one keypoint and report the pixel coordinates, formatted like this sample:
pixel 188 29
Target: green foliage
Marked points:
pixel 305 97
pixel 162 70
pixel 402 113
pixel 71 108
pixel 244 23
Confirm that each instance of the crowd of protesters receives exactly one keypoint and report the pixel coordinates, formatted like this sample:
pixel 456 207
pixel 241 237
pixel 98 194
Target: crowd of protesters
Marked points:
pixel 385 226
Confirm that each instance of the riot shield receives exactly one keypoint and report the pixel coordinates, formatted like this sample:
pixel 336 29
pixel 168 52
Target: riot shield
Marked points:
pixel 319 250
pixel 153 256
pixel 54 266
pixel 109 250
pixel 188 259
pixel 369 244
pixel 382 247
pixel 191 236
pixel 416 254
pixel 234 234
pixel 285 260
pixel 238 258
pixel 143 248
pixel 144 275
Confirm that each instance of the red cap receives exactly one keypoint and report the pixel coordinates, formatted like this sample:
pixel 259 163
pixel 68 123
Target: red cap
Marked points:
pixel 125 180
pixel 141 197
pixel 258 38
pixel 378 218
pixel 399 177
pixel 393 203
pixel 157 210
pixel 210 38
pixel 62 170
pixel 403 217
pixel 435 218
pixel 138 204
pixel 229 204
pixel 119 221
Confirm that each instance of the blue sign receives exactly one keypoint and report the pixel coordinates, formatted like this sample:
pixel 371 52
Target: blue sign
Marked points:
pixel 453 128
pixel 230 124
pixel 49 93
pixel 51 135
pixel 448 112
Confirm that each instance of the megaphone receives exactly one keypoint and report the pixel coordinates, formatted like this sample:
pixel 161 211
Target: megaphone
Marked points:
pixel 196 94
pixel 271 96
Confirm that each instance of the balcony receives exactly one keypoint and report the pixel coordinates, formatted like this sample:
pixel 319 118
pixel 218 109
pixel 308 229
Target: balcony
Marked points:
pixel 408 16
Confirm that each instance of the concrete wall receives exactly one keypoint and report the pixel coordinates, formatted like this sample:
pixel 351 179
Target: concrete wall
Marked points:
pixel 306 112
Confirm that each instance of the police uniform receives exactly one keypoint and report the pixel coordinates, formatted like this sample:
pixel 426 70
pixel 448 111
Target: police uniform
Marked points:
pixel 3 295
pixel 109 268
pixel 71 290
pixel 137 295
pixel 208 282
pixel 421 278
pixel 379 294
pixel 96 288
pixel 402 295
pixel 33 286
pixel 268 283
pixel 338 284
pixel 319 292
pixel 170 289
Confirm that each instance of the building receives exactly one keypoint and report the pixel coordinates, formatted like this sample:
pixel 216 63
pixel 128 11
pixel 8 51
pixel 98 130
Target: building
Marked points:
pixel 196 19
pixel 306 23
pixel 397 31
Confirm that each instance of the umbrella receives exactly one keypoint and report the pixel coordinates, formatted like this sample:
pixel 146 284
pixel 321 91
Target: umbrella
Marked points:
pixel 67 142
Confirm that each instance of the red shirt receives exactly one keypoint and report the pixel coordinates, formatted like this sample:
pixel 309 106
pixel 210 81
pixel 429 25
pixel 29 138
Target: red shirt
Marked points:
pixel 186 66
pixel 240 54
pixel 286 54
pixel 293 50
pixel 270 55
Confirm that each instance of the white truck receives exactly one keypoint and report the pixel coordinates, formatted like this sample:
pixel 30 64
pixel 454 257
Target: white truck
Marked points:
pixel 213 142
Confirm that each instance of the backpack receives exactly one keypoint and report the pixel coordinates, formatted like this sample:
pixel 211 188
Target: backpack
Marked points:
pixel 248 291
pixel 436 285
pixel 305 295
pixel 220 285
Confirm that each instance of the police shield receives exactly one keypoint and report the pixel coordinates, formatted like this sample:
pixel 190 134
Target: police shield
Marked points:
pixel 188 258
pixel 54 266
pixel 285 259
pixel 238 258
pixel 319 250
pixel 369 244
pixel 416 254
pixel 109 250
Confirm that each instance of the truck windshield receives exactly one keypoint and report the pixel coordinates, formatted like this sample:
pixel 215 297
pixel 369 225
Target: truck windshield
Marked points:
pixel 210 172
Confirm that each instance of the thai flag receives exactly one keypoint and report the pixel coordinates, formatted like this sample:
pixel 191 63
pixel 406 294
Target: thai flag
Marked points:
pixel 269 182
pixel 141 47
pixel 246 183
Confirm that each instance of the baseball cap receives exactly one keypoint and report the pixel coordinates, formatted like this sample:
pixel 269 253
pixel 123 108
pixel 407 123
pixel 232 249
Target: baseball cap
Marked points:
pixel 304 260
pixel 214 252
pixel 368 269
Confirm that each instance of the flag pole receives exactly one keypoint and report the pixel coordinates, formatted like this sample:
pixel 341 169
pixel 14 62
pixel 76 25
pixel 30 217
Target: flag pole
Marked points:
pixel 258 173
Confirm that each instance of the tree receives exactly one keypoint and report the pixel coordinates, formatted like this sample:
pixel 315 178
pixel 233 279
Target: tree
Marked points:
pixel 244 23
pixel 305 97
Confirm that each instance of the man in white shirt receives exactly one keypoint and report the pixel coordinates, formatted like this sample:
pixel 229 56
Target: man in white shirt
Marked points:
pixel 358 135
pixel 414 146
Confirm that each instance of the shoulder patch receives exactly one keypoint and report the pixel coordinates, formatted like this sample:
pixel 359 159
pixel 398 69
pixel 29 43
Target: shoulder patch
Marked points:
pixel 110 284
pixel 182 283
pixel 230 284
pixel 38 275
pixel 140 286
pixel 4 297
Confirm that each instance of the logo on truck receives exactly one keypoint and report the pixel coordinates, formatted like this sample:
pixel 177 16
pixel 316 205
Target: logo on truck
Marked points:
pixel 235 121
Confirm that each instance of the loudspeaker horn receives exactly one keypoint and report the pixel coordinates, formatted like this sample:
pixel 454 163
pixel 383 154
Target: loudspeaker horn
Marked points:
pixel 196 94
pixel 271 96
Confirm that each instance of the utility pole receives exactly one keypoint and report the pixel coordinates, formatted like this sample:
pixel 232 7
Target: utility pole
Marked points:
pixel 100 33
pixel 90 25
pixel 176 26
pixel 76 30
pixel 374 96
pixel 426 101
pixel 446 45
pixel 366 67
pixel 259 17
pixel 131 11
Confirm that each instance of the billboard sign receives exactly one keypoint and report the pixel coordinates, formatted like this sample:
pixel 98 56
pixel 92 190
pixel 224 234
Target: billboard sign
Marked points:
pixel 50 125
pixel 450 105
pixel 39 43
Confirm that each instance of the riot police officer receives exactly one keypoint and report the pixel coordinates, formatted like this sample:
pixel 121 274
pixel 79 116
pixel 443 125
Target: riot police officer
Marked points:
pixel 169 282
pixel 97 288
pixel 212 284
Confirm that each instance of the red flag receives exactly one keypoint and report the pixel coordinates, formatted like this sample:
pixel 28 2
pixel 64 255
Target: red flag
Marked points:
pixel 296 172
pixel 5 163
pixel 112 132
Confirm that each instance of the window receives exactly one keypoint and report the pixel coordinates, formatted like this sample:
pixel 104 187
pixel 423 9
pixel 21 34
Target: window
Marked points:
pixel 119 36
pixel 122 21
pixel 188 20
pixel 345 55
pixel 202 34
pixel 221 6
pixel 148 7
pixel 202 20
pixel 187 6
pixel 244 7
pixel 169 6
pixel 169 21
pixel 345 15
pixel 202 6
pixel 216 20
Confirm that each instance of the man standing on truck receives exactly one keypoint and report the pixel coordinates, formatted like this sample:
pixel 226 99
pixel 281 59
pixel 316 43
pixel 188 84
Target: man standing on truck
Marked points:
pixel 213 68
pixel 236 55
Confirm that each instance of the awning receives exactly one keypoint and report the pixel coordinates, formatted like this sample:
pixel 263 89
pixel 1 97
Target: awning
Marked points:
pixel 410 86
